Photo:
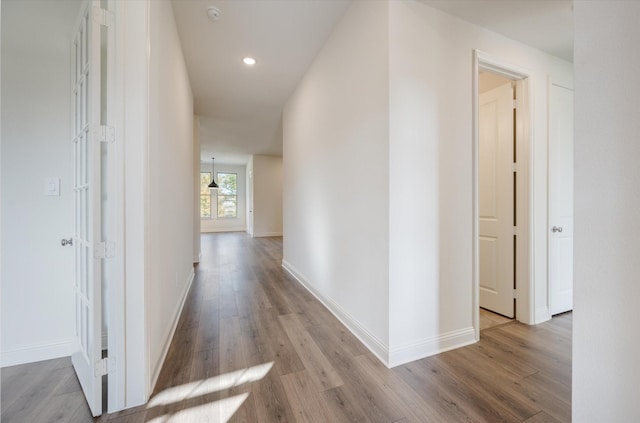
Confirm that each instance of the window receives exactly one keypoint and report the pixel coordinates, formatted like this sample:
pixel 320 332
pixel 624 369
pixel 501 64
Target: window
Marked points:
pixel 227 195
pixel 205 195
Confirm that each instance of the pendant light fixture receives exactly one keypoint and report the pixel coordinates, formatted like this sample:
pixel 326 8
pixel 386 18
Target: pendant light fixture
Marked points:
pixel 213 184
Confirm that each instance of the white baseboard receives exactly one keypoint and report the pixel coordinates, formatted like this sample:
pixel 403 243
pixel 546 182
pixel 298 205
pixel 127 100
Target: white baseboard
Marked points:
pixel 37 352
pixel 377 347
pixel 171 330
pixel 396 356
pixel 431 346
pixel 265 234
pixel 542 315
pixel 216 230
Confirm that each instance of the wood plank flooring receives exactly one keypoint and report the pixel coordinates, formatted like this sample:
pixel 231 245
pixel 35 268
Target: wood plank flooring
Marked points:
pixel 252 345
pixel 490 319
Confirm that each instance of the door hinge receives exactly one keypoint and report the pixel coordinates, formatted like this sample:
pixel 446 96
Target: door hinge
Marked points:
pixel 105 366
pixel 102 16
pixel 515 103
pixel 515 230
pixel 103 250
pixel 104 133
pixel 515 294
pixel 514 167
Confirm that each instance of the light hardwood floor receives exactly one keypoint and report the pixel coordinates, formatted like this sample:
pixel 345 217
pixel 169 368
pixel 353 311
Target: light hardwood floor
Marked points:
pixel 490 319
pixel 253 346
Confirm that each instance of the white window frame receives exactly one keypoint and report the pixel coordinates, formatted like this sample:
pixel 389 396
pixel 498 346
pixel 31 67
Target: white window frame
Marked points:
pixel 234 195
pixel 210 217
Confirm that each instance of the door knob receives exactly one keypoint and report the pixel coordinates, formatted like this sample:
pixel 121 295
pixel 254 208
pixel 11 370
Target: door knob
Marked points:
pixel 66 242
pixel 557 229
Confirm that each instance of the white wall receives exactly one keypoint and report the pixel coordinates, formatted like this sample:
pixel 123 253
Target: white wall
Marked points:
pixel 196 190
pixel 169 246
pixel 132 122
pixel 606 345
pixel 336 190
pixel 431 173
pixel 227 224
pixel 37 311
pixel 376 138
pixel 267 195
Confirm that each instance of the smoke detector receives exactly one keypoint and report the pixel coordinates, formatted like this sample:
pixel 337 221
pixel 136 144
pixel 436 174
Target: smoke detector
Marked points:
pixel 213 13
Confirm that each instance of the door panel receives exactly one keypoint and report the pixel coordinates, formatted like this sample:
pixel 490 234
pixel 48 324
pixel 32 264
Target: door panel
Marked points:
pixel 489 268
pixel 560 199
pixel 86 192
pixel 496 200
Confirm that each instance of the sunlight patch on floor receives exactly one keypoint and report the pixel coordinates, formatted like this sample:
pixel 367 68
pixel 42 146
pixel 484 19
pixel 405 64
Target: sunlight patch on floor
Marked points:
pixel 219 411
pixel 203 387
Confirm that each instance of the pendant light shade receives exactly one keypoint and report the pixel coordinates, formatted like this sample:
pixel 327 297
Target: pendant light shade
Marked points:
pixel 213 184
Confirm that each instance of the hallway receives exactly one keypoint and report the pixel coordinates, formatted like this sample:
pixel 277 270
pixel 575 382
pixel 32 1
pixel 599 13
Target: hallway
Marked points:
pixel 252 345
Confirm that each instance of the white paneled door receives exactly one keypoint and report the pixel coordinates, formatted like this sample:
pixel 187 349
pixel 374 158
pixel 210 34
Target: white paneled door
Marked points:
pixel 560 199
pixel 87 360
pixel 496 200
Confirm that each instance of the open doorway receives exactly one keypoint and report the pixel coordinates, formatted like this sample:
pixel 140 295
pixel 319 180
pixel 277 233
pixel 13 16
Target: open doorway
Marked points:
pixel 497 195
pixel 501 193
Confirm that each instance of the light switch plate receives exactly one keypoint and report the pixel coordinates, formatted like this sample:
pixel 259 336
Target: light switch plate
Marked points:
pixel 51 186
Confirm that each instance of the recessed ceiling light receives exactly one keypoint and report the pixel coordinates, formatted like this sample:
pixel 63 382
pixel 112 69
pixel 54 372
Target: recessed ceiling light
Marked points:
pixel 250 61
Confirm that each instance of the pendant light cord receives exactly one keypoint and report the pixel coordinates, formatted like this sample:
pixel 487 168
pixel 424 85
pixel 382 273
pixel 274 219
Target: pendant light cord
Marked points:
pixel 213 184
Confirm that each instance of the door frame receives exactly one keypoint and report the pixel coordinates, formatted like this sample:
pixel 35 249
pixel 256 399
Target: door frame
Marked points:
pixel 115 265
pixel 524 189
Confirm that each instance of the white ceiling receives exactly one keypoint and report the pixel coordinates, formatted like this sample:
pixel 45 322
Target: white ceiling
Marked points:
pixel 240 107
pixel 544 24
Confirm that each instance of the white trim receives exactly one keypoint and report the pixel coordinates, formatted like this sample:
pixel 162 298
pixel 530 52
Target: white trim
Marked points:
pixel 475 207
pixel 399 355
pixel 114 339
pixel 266 234
pixel 197 258
pixel 542 315
pixel 431 346
pixel 215 230
pixel 497 65
pixel 377 347
pixel 38 352
pixel 171 330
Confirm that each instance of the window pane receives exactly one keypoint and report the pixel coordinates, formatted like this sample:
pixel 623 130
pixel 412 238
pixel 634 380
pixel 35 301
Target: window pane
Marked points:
pixel 227 206
pixel 227 183
pixel 205 205
pixel 205 180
